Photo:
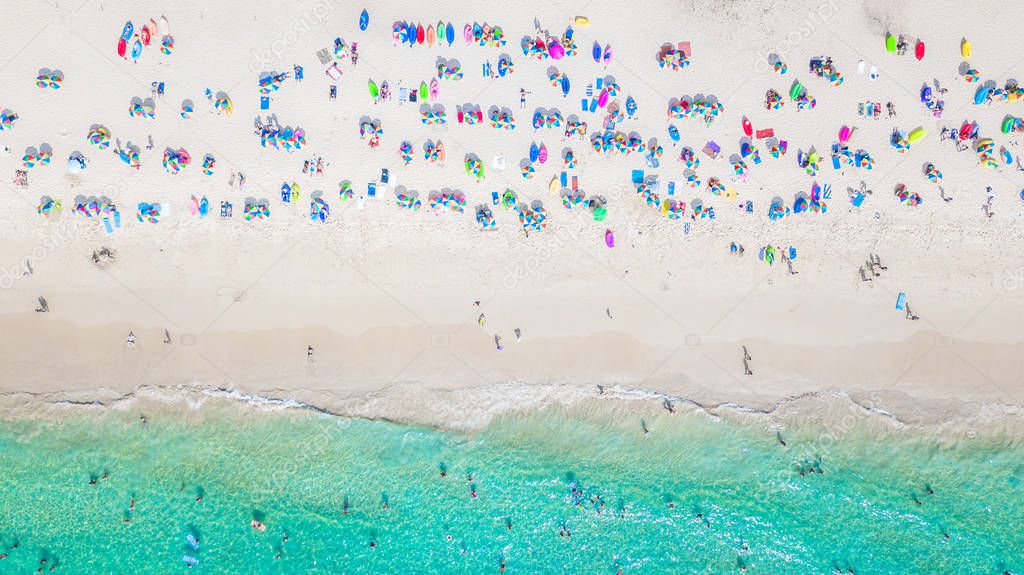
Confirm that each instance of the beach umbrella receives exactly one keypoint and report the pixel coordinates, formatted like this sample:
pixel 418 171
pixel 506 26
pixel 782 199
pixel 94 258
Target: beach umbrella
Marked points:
pixel 981 95
pixel 167 45
pixel 99 137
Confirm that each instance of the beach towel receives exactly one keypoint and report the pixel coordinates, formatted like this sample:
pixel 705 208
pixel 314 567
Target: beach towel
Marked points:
pixel 638 176
pixel 107 226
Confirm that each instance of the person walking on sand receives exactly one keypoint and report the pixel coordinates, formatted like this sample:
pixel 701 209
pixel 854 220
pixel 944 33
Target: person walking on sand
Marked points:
pixel 519 334
pixel 522 97
pixel 497 342
pixel 130 340
pixel 309 352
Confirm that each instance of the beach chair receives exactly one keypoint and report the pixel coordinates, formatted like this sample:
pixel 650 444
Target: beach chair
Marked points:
pixel 901 301
pixel 584 104
pixel 494 198
pixel 371 189
pixel 575 183
pixel 671 188
pixel 593 105
pixel 106 225
pixel 117 220
pixel 264 102
pixel 563 179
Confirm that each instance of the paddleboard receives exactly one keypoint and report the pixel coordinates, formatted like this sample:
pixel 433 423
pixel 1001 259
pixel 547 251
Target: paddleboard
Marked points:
pixel 420 34
pixel 747 128
pixel 534 152
pixel 449 34
pixel 364 19
pixel 542 154
pixel 965 48
pixel 430 35
pixel 165 29
pixel 919 50
pixel 127 31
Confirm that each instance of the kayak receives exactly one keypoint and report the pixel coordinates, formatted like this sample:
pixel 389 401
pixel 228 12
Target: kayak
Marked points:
pixel 449 34
pixel 747 128
pixel 554 185
pixel 890 43
pixel 122 47
pixel 534 152
pixel 919 50
pixel 434 88
pixel 420 34
pixel 607 56
pixel 144 36
pixel 796 90
pixel 431 35
pixel 965 48
pixel 542 154
pixel 127 31
pixel 162 26
pixel 1008 124
pixel 844 134
pixel 565 85
pixel 467 34
pixel 136 49
pixel 609 238
pixel 423 91
pixel 596 52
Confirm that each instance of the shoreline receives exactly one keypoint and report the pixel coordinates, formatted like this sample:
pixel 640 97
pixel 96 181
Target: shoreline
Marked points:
pixel 833 412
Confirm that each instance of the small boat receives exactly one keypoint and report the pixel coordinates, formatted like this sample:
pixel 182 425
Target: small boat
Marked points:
pixel 747 128
pixel 136 49
pixel 965 48
pixel 127 31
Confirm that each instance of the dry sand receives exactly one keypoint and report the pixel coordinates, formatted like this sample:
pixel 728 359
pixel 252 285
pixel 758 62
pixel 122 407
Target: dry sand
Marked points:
pixel 386 296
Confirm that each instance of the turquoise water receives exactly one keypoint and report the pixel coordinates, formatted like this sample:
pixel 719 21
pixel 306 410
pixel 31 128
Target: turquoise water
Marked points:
pixel 323 482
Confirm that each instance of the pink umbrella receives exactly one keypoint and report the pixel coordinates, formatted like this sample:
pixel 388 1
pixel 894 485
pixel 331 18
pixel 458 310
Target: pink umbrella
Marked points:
pixel 602 100
pixel 556 51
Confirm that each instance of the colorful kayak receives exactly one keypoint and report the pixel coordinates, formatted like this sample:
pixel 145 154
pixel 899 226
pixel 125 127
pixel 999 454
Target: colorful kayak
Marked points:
pixel 965 48
pixel 127 31
pixel 607 56
pixel 1008 124
pixel 449 34
pixel 596 52
pixel 421 34
pixel 364 20
pixel 467 34
pixel 542 154
pixel 609 238
pixel 534 152
pixel 748 129
pixel 410 34
pixel 374 90
pixel 122 47
pixel 890 43
pixel 565 85
pixel 919 50
pixel 423 91
pixel 431 35
pixel 435 88
pixel 136 49
pixel 554 185
pixel 144 36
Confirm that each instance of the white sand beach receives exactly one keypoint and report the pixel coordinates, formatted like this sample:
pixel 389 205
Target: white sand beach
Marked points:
pixel 386 296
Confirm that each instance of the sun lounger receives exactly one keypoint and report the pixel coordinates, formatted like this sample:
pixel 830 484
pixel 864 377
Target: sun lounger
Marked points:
pixel 901 301
pixel 107 226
